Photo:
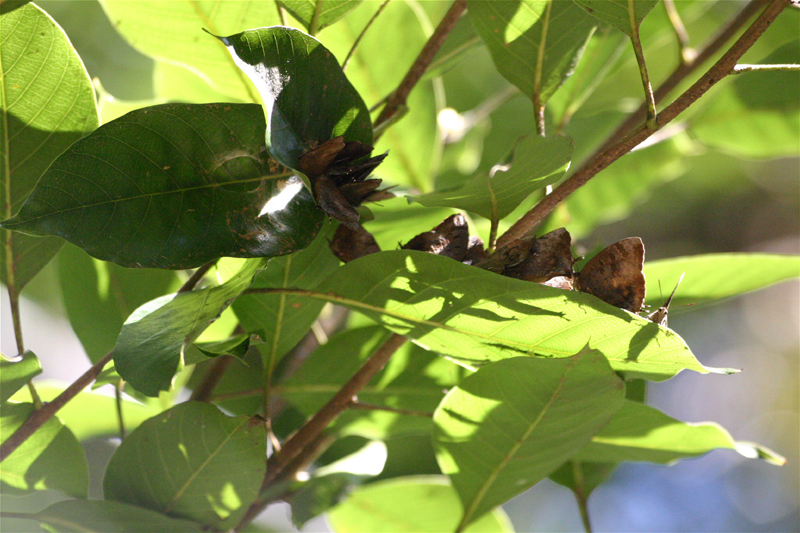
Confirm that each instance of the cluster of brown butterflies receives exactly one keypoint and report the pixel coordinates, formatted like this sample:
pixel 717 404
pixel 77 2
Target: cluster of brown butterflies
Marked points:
pixel 338 173
pixel 614 275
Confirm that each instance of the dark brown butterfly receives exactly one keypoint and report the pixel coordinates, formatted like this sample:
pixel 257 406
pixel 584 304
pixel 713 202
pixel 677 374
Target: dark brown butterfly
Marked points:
pixel 659 316
pixel 541 259
pixel 615 275
pixel 450 238
pixel 549 257
pixel 348 244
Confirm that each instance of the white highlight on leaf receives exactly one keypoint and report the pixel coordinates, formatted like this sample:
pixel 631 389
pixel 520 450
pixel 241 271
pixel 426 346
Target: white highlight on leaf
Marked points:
pixel 282 199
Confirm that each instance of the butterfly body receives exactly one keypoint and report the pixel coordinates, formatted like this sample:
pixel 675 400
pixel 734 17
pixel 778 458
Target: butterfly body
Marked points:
pixel 659 316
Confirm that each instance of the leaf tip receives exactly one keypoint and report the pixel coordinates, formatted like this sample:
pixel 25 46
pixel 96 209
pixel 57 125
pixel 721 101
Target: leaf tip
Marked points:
pixel 751 450
pixel 725 371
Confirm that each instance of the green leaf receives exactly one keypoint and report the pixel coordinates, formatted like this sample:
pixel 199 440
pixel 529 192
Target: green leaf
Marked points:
pixel 15 374
pixel 81 516
pixel 413 380
pixel 754 115
pixel 151 343
pixel 317 495
pixel 712 277
pixel 536 162
pixel 639 432
pixel 173 186
pixel 236 346
pixel 618 12
pixel 172 32
pixel 179 463
pixel 47 104
pixel 98 296
pixel 104 420
pixel 306 95
pixel 423 504
pixel 176 83
pixel 509 425
pixel 534 44
pixel 51 458
pixel 316 14
pixel 283 320
pixel 474 317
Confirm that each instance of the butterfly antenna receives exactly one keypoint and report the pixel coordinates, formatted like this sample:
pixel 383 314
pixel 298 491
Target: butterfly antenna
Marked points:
pixel 669 300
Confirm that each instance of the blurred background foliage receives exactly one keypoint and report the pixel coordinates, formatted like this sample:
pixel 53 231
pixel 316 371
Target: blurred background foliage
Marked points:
pixel 712 184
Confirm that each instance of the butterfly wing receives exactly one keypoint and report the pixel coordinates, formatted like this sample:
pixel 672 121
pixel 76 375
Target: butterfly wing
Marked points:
pixel 615 275
pixel 550 257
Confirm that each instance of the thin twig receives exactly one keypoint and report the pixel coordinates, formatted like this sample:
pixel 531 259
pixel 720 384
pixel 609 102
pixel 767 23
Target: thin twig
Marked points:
pixel 294 446
pixel 652 121
pixel 738 69
pixel 621 143
pixel 118 397
pixel 195 278
pixel 538 104
pixel 581 496
pixel 38 418
pixel 685 53
pixel 212 377
pixel 13 301
pixel 399 96
pixel 363 32
pixel 313 28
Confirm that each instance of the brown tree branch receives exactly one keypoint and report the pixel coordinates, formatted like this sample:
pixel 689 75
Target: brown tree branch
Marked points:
pixel 620 145
pixel 399 96
pixel 41 416
pixel 299 444
pixel 38 418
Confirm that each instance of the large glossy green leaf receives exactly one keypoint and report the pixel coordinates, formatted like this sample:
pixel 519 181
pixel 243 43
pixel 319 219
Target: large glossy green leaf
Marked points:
pixel 173 32
pixel 509 425
pixel 15 374
pixel 173 186
pixel 47 104
pixel 98 296
pixel 316 14
pixel 51 458
pixel 638 432
pixel 537 162
pixel 474 317
pixel 622 14
pixel 191 462
pixel 424 504
pixel 151 343
pixel 414 380
pixel 755 114
pixel 307 97
pixel 81 516
pixel 712 277
pixel 281 320
pixel 535 44
pixel 104 420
